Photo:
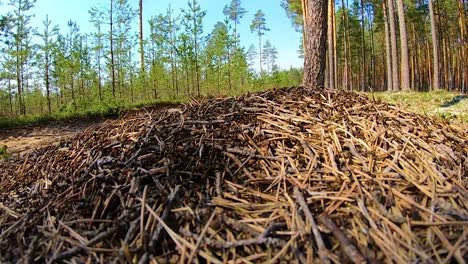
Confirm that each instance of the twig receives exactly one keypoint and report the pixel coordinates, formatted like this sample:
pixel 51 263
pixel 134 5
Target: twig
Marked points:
pixel 200 238
pixel 170 202
pixel 322 250
pixel 28 256
pixel 348 247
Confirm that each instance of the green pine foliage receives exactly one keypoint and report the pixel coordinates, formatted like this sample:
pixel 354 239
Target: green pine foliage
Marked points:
pixel 64 72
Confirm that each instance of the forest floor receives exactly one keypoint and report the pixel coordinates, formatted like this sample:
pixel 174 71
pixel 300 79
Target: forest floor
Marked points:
pixel 447 105
pixel 23 140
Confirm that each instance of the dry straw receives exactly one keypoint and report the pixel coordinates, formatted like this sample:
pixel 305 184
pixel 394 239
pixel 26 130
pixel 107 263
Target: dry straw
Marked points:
pixel 293 175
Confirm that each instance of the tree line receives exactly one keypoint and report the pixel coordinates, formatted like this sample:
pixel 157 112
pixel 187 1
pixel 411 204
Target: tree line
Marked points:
pixel 51 68
pixel 389 45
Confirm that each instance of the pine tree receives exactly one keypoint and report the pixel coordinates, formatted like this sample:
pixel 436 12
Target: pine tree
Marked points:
pixel 435 49
pixel 266 56
pixel 252 55
pixel 45 53
pixel 235 13
pixel 217 50
pixel 315 33
pixel 269 56
pixel 259 26
pixel 123 42
pixel 193 22
pixel 21 31
pixel 72 57
pixel 393 42
pixel 331 44
pixel 405 78
pixel 111 45
pixel 98 39
pixel 142 50
pixel 388 57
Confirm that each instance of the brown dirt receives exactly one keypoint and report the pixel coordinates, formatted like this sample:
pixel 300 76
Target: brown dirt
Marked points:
pixel 23 140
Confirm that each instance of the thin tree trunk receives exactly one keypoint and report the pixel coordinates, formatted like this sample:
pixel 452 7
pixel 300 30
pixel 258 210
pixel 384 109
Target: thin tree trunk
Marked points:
pixel 111 37
pixel 428 65
pixel 445 63
pixel 142 51
pixel 315 28
pixel 345 47
pixel 331 59
pixel 413 58
pixel 393 41
pixel 197 68
pixel 462 26
pixel 10 95
pixel 22 109
pixel 372 50
pixel 363 50
pixel 350 54
pixel 335 54
pixel 387 49
pixel 405 78
pixel 171 39
pixel 435 49
pixel 448 47
pixel 260 52
pixel 229 68
pixel 99 75
pixel 47 83
pixel 72 90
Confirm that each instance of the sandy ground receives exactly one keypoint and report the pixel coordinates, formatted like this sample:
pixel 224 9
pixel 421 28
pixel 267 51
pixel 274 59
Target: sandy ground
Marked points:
pixel 23 140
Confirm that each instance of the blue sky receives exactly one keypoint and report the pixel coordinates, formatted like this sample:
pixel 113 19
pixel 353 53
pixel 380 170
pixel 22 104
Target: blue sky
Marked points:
pixel 282 34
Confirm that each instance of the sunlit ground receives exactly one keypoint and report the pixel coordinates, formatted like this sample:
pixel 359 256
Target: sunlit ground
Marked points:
pixel 447 105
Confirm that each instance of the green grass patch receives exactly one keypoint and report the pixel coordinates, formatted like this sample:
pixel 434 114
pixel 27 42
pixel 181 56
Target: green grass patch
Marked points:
pixel 4 153
pixel 443 104
pixel 108 109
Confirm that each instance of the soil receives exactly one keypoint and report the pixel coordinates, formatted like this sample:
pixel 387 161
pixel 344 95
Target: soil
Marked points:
pixel 23 140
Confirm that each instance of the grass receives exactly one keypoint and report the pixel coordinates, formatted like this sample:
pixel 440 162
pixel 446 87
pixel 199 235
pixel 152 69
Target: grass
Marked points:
pixel 3 152
pixel 443 104
pixel 97 111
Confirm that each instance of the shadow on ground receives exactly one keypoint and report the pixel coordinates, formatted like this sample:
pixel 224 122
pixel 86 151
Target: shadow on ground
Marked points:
pixel 457 99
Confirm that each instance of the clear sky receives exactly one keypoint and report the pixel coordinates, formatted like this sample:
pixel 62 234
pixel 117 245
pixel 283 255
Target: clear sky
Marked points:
pixel 282 34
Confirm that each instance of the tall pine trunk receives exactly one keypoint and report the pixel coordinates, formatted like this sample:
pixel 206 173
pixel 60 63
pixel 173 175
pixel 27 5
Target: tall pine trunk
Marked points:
pixel 142 51
pixel 405 78
pixel 345 47
pixel 388 58
pixel 331 55
pixel 315 33
pixel 435 49
pixel 47 83
pixel 260 52
pixel 393 41
pixel 111 38
pixel 462 30
pixel 363 50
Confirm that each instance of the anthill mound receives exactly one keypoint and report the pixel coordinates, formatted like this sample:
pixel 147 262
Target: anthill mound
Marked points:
pixel 287 175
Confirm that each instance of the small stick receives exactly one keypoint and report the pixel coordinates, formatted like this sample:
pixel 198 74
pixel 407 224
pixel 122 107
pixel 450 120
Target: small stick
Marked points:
pixel 219 191
pixel 200 238
pixel 348 247
pixel 142 217
pixel 28 257
pixel 322 250
pixel 78 249
pixel 163 217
